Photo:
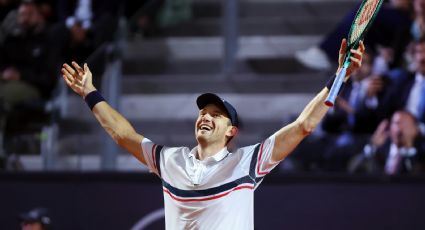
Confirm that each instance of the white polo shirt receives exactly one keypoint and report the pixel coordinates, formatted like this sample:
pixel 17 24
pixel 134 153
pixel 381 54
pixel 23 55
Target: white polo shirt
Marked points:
pixel 215 193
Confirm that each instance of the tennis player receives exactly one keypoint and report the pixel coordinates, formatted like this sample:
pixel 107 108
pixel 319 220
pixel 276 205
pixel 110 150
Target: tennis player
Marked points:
pixel 207 187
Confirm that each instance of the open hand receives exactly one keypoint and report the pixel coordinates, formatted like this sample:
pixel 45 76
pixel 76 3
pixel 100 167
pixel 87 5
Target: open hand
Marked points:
pixel 381 134
pixel 78 79
pixel 356 57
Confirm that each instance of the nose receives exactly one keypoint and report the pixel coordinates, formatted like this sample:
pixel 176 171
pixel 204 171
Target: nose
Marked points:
pixel 206 117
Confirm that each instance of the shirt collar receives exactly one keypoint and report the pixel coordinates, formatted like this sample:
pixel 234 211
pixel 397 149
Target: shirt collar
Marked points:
pixel 220 155
pixel 404 151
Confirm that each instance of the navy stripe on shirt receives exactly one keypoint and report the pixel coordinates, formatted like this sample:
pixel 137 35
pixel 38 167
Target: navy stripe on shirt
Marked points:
pixel 254 162
pixel 157 158
pixel 210 191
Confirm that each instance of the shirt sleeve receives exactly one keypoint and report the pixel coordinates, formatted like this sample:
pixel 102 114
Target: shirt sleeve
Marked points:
pixel 263 157
pixel 152 155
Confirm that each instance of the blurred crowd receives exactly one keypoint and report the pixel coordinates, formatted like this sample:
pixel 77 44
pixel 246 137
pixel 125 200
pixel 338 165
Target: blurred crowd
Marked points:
pixel 36 37
pixel 378 122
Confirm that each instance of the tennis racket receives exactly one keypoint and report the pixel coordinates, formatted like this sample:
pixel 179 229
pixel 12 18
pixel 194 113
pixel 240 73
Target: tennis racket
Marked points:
pixel 364 18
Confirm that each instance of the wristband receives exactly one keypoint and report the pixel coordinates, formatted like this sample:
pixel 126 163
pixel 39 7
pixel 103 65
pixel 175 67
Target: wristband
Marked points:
pixel 93 98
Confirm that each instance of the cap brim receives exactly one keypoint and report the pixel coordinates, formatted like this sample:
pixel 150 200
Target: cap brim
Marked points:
pixel 210 98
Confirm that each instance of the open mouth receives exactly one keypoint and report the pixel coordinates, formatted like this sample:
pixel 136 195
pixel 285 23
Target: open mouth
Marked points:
pixel 205 128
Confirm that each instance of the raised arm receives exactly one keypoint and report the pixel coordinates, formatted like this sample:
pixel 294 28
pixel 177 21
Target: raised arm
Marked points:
pixel 288 137
pixel 123 133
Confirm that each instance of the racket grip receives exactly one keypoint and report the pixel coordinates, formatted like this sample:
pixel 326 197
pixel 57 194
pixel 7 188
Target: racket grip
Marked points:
pixel 336 86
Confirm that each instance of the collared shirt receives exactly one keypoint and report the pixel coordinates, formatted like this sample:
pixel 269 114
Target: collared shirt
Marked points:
pixel 394 159
pixel 214 193
pixel 415 95
pixel 83 14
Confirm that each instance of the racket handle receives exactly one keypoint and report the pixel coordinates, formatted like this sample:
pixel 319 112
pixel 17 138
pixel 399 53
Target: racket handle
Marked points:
pixel 336 86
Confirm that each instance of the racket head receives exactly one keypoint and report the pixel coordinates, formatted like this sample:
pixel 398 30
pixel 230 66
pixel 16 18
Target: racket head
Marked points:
pixel 364 18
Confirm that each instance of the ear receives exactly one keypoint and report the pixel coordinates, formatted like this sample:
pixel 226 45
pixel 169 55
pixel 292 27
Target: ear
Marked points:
pixel 232 131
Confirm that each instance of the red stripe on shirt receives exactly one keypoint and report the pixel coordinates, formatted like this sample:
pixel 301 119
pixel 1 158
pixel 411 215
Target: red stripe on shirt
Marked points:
pixel 207 198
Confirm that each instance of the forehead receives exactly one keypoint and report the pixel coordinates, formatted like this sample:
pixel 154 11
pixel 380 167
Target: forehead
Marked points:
pixel 403 117
pixel 213 108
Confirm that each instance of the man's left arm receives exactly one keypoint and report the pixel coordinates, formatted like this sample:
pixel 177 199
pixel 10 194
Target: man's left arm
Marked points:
pixel 288 137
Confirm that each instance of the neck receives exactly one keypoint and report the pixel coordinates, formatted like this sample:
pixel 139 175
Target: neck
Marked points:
pixel 206 150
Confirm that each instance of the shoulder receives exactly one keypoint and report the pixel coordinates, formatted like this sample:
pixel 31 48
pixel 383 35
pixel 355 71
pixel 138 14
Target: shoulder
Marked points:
pixel 254 150
pixel 162 150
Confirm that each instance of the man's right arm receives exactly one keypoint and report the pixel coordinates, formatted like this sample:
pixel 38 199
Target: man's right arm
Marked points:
pixel 121 131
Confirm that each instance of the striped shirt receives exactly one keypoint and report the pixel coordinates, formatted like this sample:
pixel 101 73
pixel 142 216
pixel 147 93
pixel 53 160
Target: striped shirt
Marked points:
pixel 215 193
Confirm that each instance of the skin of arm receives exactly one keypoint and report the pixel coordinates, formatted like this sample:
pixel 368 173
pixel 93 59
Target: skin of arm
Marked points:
pixel 288 137
pixel 119 128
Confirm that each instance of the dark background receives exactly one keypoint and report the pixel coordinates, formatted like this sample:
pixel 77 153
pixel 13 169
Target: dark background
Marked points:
pixel 120 200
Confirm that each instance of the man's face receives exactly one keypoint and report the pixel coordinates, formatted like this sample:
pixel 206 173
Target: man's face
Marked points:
pixel 403 129
pixel 420 57
pixel 212 125
pixel 31 226
pixel 27 15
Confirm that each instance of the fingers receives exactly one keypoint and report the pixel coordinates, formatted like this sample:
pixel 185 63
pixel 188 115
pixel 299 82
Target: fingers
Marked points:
pixel 66 79
pixel 382 126
pixel 86 68
pixel 356 62
pixel 78 68
pixel 67 76
pixel 343 47
pixel 342 51
pixel 70 79
pixel 362 46
pixel 69 69
pixel 359 51
pixel 357 55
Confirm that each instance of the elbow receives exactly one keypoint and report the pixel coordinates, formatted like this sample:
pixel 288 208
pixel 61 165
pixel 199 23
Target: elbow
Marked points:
pixel 306 126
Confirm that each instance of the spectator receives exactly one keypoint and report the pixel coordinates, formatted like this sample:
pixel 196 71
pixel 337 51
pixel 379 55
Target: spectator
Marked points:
pixel 389 34
pixel 35 219
pixel 143 16
pixel 418 25
pixel 397 150
pixel 356 108
pixel 25 58
pixel 408 91
pixel 83 26
pixel 417 32
pixel 28 75
pixel 355 116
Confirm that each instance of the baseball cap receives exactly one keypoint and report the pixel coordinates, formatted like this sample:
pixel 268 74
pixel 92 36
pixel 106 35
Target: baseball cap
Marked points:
pixel 36 215
pixel 210 98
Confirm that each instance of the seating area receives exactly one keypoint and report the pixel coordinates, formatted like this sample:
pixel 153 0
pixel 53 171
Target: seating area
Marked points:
pixel 243 50
pixel 161 76
pixel 363 167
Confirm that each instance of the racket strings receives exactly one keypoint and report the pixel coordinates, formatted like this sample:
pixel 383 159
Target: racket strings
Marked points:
pixel 362 19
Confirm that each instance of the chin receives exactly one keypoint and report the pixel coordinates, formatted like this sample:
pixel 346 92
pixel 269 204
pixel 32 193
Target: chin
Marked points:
pixel 200 135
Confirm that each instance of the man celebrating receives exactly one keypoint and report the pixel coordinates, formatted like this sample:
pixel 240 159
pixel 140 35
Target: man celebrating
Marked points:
pixel 207 187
